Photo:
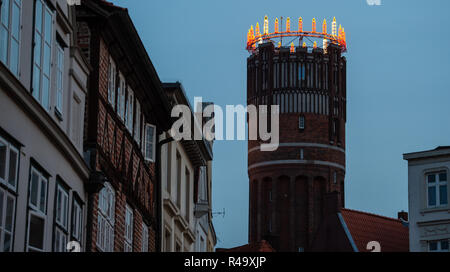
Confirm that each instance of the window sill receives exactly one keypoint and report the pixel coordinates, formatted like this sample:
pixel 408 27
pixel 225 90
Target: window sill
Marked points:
pixel 437 209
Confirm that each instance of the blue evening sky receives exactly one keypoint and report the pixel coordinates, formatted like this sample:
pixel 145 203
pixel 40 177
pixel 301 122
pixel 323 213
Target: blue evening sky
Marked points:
pixel 398 63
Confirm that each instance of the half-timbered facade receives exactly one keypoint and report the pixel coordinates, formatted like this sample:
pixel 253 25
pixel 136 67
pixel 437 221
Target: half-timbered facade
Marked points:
pixel 126 110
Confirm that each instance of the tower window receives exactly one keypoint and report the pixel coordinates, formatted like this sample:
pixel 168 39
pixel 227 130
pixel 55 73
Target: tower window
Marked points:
pixel 302 123
pixel 335 177
pixel 302 154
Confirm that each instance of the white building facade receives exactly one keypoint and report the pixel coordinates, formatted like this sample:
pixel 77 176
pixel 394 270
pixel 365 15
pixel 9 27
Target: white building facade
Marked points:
pixel 43 79
pixel 429 209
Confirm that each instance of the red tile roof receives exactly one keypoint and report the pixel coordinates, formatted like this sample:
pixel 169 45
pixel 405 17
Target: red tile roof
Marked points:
pixel 262 246
pixel 392 234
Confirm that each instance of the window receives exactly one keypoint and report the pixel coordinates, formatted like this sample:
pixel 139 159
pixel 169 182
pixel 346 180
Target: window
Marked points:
pixel 105 224
pixel 302 154
pixel 77 221
pixel 137 127
pixel 150 142
pixel 61 219
pixel 302 123
pixel 10 34
pixel 121 97
pixel 7 212
pixel 9 164
pixel 128 247
pixel 43 38
pixel 59 78
pixel 437 189
pixel 129 111
pixel 38 211
pixel 178 179
pixel 168 241
pixel 144 238
pixel 112 83
pixel 77 121
pixel 439 246
pixel 188 194
pixel 335 177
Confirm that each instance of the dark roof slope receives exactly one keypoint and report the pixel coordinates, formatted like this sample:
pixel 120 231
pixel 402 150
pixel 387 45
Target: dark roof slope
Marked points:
pixel 262 246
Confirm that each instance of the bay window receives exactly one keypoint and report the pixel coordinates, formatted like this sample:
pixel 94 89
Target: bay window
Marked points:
pixel 38 211
pixel 437 189
pixel 150 142
pixel 105 223
pixel 128 246
pixel 10 34
pixel 61 219
pixel 43 39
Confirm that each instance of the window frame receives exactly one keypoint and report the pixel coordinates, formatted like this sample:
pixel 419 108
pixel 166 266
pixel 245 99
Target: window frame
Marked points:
pixel 3 213
pixel 60 57
pixel 44 217
pixel 6 181
pixel 60 230
pixel 437 186
pixel 121 96
pixel 106 217
pixel 38 94
pixel 10 38
pixel 129 222
pixel 439 246
pixel 147 156
pixel 112 82
pixel 145 238
pixel 302 122
pixel 129 111
pixel 78 225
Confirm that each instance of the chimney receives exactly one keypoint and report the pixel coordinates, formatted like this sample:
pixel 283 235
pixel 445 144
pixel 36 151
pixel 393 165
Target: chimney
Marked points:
pixel 403 216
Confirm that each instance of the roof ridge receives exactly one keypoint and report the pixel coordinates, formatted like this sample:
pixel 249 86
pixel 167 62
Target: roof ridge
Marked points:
pixel 373 214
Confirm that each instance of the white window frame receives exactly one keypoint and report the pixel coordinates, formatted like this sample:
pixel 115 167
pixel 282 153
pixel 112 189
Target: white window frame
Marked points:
pixel 10 36
pixel 40 215
pixel 6 180
pixel 60 240
pixel 121 97
pixel 77 221
pixel 106 221
pixel 61 227
pixel 65 195
pixel 60 57
pixel 38 87
pixel 112 77
pixel 128 237
pixel 145 238
pixel 137 126
pixel 439 246
pixel 3 230
pixel 42 179
pixel 129 110
pixel 437 186
pixel 150 157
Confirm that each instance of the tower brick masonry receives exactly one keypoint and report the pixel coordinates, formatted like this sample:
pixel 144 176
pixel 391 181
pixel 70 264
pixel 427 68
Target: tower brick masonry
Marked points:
pixel 288 186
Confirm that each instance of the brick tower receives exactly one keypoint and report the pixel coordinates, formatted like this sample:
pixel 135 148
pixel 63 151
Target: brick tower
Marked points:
pixel 288 186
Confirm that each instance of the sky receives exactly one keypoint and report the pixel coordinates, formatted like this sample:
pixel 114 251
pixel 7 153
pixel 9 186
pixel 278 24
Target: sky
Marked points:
pixel 397 96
